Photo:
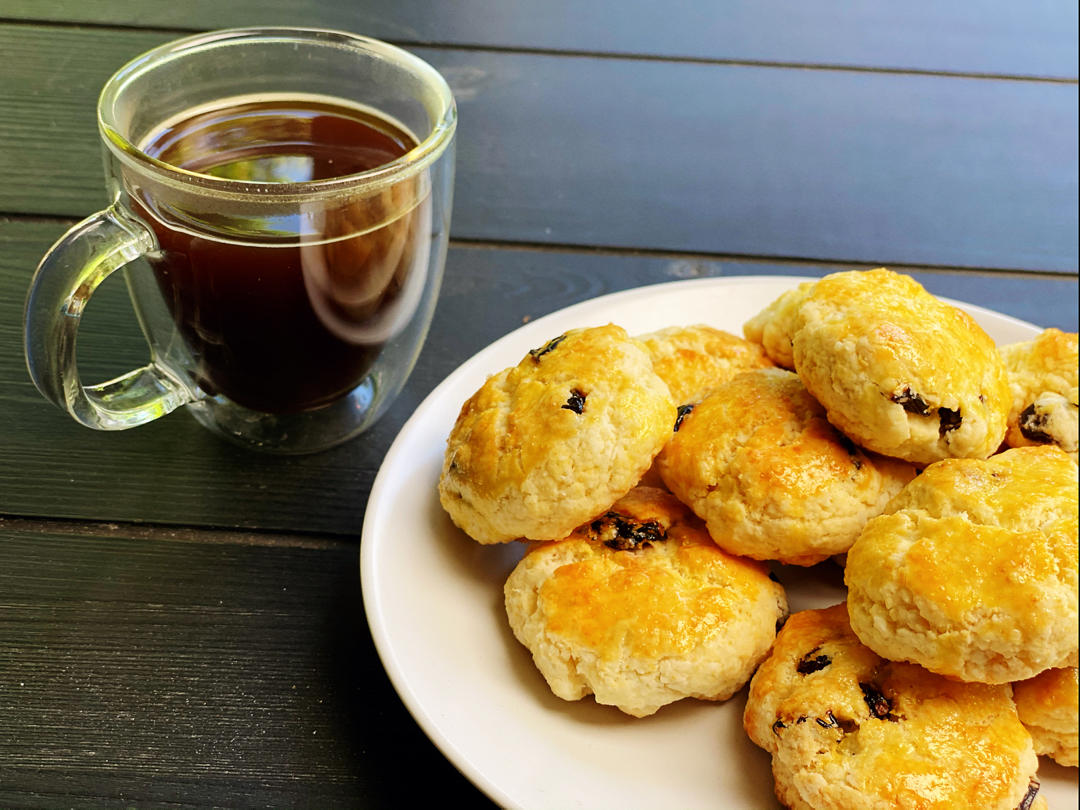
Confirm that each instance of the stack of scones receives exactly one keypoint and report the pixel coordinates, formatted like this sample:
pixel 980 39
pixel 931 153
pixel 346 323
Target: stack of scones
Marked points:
pixel 657 479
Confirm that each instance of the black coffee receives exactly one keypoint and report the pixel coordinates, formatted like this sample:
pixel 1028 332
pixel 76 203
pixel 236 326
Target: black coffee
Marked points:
pixel 288 327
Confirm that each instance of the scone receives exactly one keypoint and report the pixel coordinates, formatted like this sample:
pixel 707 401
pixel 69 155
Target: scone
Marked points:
pixel 849 730
pixel 694 359
pixel 1043 381
pixel 1048 707
pixel 773 480
pixel 641 609
pixel 972 571
pixel 899 371
pixel 774 326
pixel 552 442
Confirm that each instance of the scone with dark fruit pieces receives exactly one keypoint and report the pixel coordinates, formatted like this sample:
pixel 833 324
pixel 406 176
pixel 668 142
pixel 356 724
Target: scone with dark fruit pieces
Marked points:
pixel 552 442
pixel 898 370
pixel 758 461
pixel 972 570
pixel 1043 381
pixel 640 608
pixel 849 730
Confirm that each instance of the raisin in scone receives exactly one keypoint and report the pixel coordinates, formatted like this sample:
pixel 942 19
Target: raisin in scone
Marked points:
pixel 972 570
pixel 773 480
pixel 694 359
pixel 898 370
pixel 774 326
pixel 548 444
pixel 849 730
pixel 1043 380
pixel 1048 705
pixel 640 608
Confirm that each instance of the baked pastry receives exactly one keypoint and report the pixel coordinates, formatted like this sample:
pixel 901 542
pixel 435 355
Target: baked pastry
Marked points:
pixel 972 571
pixel 694 359
pixel 640 608
pixel 773 480
pixel 552 442
pixel 1043 381
pixel 849 730
pixel 774 326
pixel 899 371
pixel 1048 707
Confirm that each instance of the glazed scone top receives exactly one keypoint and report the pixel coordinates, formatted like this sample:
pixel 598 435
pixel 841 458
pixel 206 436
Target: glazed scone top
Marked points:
pixel 800 650
pixel 549 443
pixel 1048 706
pixel 640 608
pixel 759 462
pixel 1043 380
pixel 625 604
pixel 774 326
pixel 1019 490
pixel 972 571
pixel 1052 691
pixel 898 370
pixel 694 359
pixel 848 729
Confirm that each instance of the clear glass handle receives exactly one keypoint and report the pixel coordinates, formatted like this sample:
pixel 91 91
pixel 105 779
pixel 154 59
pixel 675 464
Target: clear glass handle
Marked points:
pixel 62 285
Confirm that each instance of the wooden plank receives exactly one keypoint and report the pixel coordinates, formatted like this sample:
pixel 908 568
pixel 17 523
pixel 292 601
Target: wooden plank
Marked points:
pixel 757 161
pixel 172 471
pixel 982 36
pixel 210 670
pixel 765 162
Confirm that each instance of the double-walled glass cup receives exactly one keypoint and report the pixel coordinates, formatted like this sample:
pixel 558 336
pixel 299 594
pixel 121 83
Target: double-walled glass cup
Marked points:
pixel 283 307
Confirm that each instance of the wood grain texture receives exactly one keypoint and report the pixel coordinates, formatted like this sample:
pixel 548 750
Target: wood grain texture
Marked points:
pixel 174 472
pixel 208 671
pixel 982 36
pixel 181 623
pixel 714 158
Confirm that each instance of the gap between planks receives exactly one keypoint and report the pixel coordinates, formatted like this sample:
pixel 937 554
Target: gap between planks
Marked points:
pixel 171 533
pixel 587 54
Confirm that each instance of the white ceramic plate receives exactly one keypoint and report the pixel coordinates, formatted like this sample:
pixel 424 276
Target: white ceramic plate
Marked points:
pixel 434 602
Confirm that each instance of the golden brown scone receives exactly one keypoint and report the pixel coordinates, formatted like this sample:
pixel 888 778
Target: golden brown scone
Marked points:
pixel 1048 707
pixel 972 571
pixel 849 730
pixel 552 442
pixel 899 371
pixel 1043 380
pixel 640 608
pixel 693 360
pixel 773 480
pixel 774 326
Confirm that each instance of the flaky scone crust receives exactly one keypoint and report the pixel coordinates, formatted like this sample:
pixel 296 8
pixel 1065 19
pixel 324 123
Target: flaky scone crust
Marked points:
pixel 848 729
pixel 898 370
pixel 773 480
pixel 1048 705
pixel 972 571
pixel 549 443
pixel 663 616
pixel 774 326
pixel 694 359
pixel 1043 381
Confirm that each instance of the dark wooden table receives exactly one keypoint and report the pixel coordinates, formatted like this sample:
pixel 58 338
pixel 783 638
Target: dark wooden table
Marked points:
pixel 181 622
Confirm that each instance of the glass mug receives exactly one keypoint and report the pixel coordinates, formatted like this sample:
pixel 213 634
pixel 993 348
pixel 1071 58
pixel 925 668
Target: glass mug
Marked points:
pixel 290 191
